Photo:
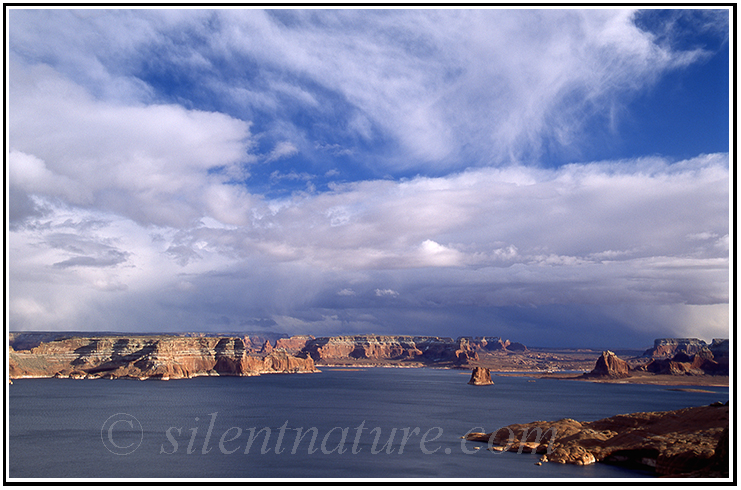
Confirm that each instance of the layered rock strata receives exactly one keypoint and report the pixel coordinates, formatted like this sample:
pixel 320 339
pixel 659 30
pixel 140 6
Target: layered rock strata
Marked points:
pixel 688 357
pixel 666 348
pixel 379 348
pixel 295 344
pixel 702 362
pixel 687 442
pixel 495 344
pixel 159 357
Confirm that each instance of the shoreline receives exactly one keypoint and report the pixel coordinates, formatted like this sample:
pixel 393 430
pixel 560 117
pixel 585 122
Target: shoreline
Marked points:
pixel 706 381
pixel 639 378
pixel 653 379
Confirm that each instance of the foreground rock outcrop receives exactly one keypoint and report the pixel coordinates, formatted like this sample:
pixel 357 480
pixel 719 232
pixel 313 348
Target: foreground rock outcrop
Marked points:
pixel 480 376
pixel 143 357
pixel 688 442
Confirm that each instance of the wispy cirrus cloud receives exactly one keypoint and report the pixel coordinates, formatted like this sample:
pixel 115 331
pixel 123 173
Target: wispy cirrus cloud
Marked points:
pixel 519 82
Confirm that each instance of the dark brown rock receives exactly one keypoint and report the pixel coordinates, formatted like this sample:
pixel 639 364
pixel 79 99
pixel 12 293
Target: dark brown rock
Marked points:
pixel 667 348
pixel 480 377
pixel 702 362
pixel 609 366
pixel 688 442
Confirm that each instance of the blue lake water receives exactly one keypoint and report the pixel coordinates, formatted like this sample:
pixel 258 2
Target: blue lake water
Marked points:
pixel 370 423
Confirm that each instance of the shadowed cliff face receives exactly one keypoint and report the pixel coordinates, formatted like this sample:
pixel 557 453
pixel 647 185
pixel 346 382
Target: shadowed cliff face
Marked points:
pixel 438 350
pixel 163 357
pixel 687 442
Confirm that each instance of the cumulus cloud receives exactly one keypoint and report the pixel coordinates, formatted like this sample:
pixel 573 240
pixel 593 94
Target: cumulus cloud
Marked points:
pixel 133 202
pixel 150 163
pixel 596 234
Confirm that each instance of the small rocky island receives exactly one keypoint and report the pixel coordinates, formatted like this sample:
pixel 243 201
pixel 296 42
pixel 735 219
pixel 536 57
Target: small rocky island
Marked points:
pixel 609 365
pixel 481 376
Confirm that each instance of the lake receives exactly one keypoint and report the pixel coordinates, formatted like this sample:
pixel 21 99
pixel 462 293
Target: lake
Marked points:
pixel 379 423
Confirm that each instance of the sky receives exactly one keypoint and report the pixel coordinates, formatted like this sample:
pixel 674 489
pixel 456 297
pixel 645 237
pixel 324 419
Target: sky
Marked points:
pixel 555 177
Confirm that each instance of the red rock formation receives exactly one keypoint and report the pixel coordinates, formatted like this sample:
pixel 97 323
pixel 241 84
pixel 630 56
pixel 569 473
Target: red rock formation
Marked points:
pixel 480 377
pixel 703 362
pixel 164 357
pixel 609 366
pixel 516 347
pixel 266 348
pixel 686 442
pixel 382 349
pixel 495 344
pixel 665 348
pixel 293 344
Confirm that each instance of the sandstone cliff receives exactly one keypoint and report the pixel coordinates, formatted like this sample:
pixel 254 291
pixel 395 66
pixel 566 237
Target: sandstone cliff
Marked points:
pixel 609 366
pixel 687 442
pixel 159 357
pixel 702 362
pixel 398 348
pixel 480 376
pixel 293 345
pixel 495 344
pixel 665 348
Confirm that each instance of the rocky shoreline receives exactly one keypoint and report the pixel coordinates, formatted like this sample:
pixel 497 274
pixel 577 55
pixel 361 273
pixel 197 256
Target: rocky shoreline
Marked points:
pixel 150 357
pixel 691 442
pixel 173 356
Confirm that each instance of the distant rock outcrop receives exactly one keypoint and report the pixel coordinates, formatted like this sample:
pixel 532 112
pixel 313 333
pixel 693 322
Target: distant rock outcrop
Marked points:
pixel 609 366
pixel 666 348
pixel 720 348
pixel 143 357
pixel 691 442
pixel 295 344
pixel 386 348
pixel 495 344
pixel 481 376
pixel 702 362
pixel 266 348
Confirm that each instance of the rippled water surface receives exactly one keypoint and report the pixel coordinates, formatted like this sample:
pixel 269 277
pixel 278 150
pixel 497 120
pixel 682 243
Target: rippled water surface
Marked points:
pixel 367 423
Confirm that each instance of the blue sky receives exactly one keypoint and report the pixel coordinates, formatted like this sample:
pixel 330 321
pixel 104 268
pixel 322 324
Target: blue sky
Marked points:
pixel 556 177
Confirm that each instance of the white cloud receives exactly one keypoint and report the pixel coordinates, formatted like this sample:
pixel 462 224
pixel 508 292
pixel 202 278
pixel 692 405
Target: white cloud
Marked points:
pixel 125 210
pixel 30 174
pixel 501 84
pixel 283 149
pixel 433 254
pixel 149 163
pixel 638 233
